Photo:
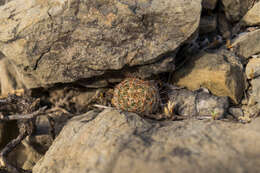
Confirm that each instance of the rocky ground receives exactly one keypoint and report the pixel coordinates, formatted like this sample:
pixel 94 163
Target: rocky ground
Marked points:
pixel 61 60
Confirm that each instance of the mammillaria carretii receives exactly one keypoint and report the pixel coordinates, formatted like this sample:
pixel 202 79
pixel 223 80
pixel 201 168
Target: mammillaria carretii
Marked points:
pixel 136 95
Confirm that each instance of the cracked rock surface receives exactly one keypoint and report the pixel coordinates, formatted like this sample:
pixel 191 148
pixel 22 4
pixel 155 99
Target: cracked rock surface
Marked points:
pixel 115 142
pixel 56 41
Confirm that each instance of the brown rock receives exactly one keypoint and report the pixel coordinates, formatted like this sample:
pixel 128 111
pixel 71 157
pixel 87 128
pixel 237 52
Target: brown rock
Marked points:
pixel 253 68
pixel 64 41
pixel 235 10
pixel 247 44
pixel 116 143
pixel 9 79
pixel 252 17
pixel 220 72
pixel 256 89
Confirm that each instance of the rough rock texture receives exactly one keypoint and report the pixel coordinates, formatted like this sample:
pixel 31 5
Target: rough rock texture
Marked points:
pixel 9 77
pixel 253 68
pixel 3 2
pixel 252 17
pixel 236 112
pixel 220 72
pixel 63 41
pixel 198 103
pixel 235 10
pixel 116 143
pixel 256 89
pixel 25 156
pixel 247 44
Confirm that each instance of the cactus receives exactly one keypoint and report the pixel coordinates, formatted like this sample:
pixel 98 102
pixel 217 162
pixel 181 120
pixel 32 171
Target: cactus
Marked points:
pixel 136 95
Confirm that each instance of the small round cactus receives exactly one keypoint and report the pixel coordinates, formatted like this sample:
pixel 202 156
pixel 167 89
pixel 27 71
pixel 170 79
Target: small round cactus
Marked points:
pixel 136 95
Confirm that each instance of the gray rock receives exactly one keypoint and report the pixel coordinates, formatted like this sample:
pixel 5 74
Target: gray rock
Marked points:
pixel 235 10
pixel 247 44
pixel 236 112
pixel 221 72
pixel 209 4
pixel 207 104
pixel 184 101
pixel 52 42
pixel 198 103
pixel 252 17
pixel 253 68
pixel 116 143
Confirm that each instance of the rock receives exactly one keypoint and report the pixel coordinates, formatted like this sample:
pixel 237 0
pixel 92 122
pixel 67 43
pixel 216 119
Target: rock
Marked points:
pixel 3 2
pixel 198 103
pixel 9 77
pixel 31 150
pixel 252 17
pixel 253 68
pixel 247 44
pixel 64 41
pixel 207 24
pixel 252 111
pixel 256 89
pixel 184 101
pixel 114 142
pixel 209 4
pixel 236 112
pixel 235 10
pixel 25 155
pixel 221 72
pixel 209 105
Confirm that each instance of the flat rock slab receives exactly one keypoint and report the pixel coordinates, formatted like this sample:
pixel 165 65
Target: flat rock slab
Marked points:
pixel 252 17
pixel 247 44
pixel 56 41
pixel 116 143
pixel 220 72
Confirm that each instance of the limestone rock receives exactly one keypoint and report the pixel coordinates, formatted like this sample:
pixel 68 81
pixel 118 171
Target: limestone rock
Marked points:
pixel 63 41
pixel 25 155
pixel 252 17
pixel 236 112
pixel 9 77
pixel 198 103
pixel 247 44
pixel 221 72
pixel 256 89
pixel 253 68
pixel 235 10
pixel 116 143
